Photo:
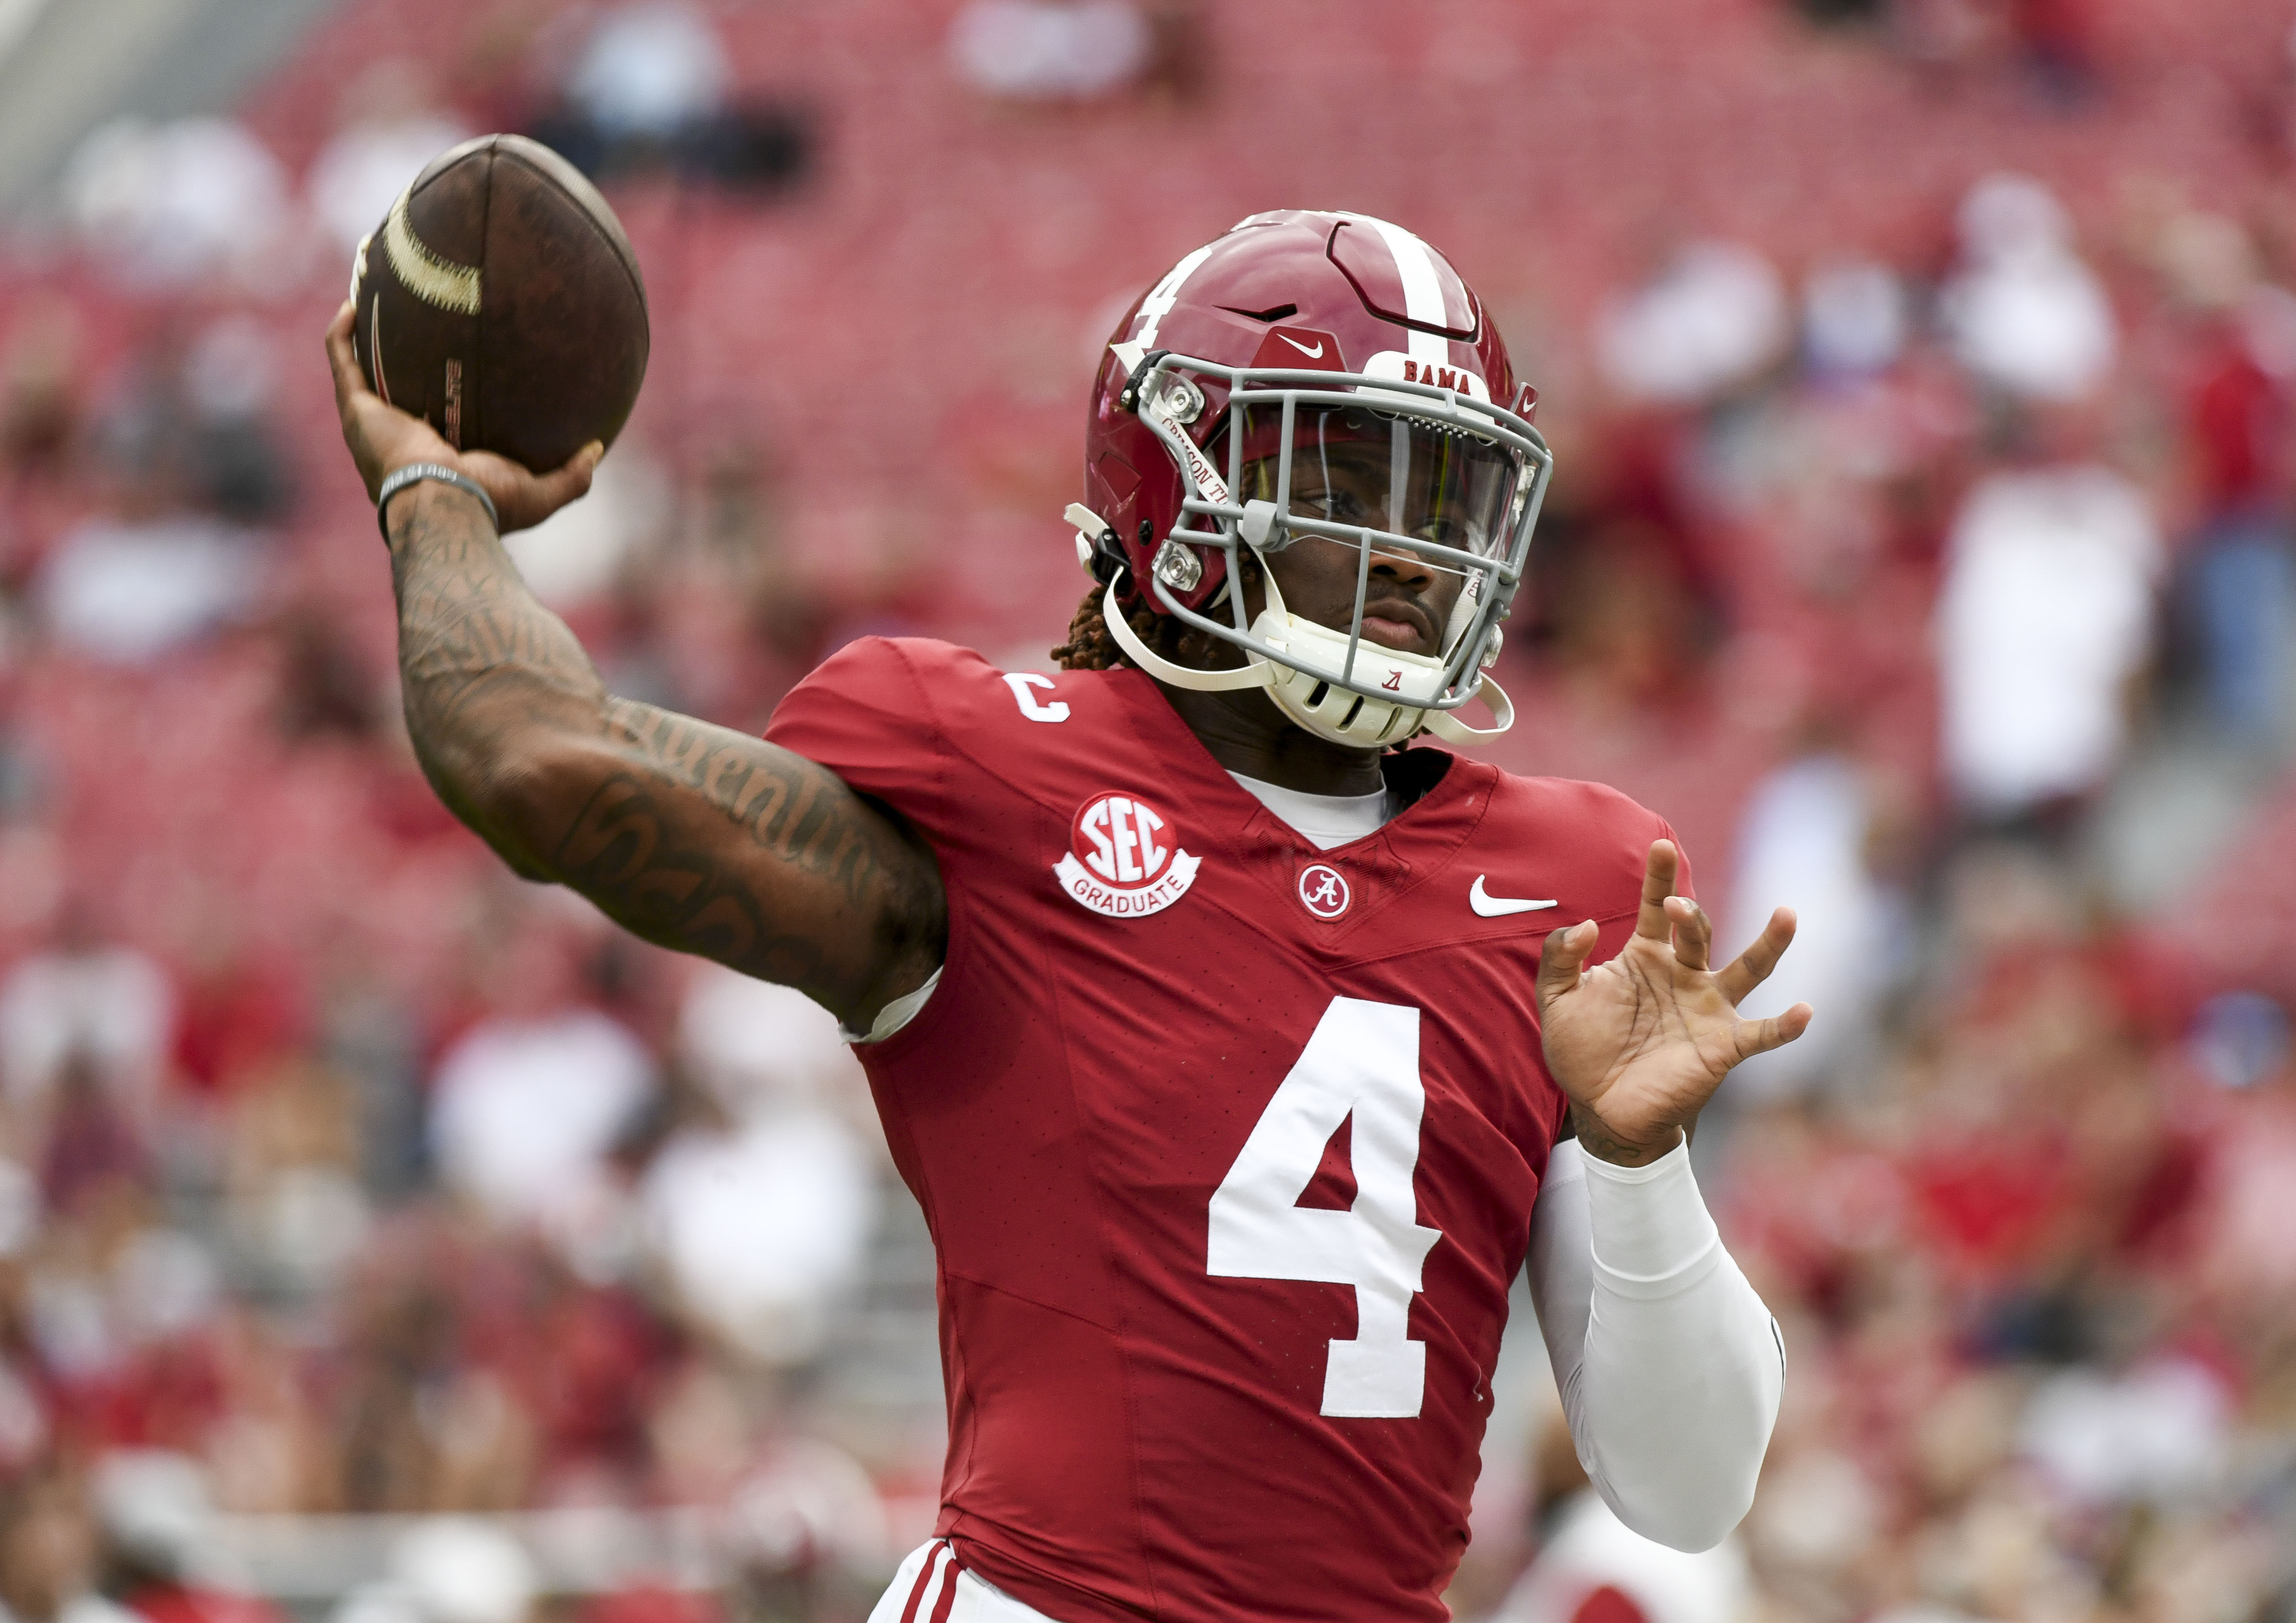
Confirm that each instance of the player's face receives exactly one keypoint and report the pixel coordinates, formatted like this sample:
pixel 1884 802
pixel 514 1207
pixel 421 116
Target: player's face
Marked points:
pixel 1406 601
pixel 1363 469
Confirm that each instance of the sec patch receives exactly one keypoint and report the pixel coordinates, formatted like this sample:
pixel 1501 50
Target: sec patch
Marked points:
pixel 1124 858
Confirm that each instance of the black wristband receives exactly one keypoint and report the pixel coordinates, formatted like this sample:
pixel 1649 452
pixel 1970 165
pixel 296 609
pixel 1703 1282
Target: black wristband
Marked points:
pixel 415 473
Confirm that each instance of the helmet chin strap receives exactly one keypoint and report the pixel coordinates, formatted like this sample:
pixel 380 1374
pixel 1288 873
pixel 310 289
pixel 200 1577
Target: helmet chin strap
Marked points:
pixel 1446 726
pixel 1260 673
pixel 1255 674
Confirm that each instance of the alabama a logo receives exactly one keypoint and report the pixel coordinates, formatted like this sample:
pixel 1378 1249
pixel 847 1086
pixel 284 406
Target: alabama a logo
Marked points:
pixel 1124 859
pixel 1324 891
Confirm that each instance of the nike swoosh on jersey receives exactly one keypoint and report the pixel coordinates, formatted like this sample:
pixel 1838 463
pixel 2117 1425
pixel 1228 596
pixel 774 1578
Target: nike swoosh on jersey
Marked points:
pixel 1316 354
pixel 1489 906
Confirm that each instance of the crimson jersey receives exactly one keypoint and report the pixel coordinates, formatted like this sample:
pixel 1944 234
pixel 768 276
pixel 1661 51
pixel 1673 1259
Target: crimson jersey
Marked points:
pixel 1228 1146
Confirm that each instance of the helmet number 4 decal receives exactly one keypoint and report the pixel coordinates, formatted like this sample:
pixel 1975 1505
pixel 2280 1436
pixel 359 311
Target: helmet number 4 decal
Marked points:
pixel 1362 1060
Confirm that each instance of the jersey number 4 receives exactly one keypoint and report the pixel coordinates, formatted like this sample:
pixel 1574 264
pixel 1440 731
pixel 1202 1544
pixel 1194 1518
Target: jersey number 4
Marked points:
pixel 1362 1060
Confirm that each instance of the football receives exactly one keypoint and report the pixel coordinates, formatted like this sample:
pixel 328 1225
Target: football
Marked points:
pixel 500 301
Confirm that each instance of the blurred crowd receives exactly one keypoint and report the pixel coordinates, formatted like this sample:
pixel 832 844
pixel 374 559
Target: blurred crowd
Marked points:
pixel 1936 577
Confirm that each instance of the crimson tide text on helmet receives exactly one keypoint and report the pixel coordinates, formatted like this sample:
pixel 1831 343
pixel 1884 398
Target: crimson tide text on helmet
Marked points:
pixel 1298 339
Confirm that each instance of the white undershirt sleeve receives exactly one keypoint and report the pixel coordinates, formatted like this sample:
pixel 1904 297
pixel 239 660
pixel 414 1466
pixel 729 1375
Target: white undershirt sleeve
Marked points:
pixel 1669 1367
pixel 895 1014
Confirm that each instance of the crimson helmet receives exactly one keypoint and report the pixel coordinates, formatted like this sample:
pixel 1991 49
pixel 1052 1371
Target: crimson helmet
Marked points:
pixel 1299 342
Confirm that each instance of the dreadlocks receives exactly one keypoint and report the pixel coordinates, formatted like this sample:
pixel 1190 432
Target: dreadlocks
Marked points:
pixel 1091 647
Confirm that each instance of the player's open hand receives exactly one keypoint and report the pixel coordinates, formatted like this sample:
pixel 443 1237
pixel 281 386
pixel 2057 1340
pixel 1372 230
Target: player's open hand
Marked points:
pixel 1639 1043
pixel 382 438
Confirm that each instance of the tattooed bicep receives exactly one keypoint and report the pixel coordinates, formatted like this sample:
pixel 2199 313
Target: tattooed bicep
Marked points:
pixel 714 842
pixel 694 836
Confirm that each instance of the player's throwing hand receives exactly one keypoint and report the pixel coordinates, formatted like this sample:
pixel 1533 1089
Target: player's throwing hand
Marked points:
pixel 382 438
pixel 1640 1043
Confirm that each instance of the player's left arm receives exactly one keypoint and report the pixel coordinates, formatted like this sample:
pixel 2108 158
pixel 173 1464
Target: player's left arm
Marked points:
pixel 1670 1367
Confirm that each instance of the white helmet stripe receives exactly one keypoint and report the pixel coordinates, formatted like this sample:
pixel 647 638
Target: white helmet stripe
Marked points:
pixel 1422 289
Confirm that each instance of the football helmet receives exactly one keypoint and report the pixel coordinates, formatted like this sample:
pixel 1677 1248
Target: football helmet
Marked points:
pixel 1325 375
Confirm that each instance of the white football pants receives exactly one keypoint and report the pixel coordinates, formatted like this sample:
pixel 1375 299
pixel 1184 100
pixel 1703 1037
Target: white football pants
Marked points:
pixel 930 1588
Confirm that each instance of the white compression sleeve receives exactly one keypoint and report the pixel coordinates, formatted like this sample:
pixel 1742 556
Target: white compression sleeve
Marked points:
pixel 1669 1367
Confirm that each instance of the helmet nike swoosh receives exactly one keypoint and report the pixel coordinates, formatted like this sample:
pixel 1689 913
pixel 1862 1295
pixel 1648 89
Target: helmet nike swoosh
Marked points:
pixel 1316 354
pixel 1489 906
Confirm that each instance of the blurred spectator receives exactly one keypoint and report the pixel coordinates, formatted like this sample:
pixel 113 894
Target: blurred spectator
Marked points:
pixel 2024 313
pixel 757 1046
pixel 1629 628
pixel 292 1178
pixel 19 1224
pixel 422 1416
pixel 719 614
pixel 189 461
pixel 1712 318
pixel 1854 319
pixel 107 1005
pixel 527 1103
pixel 366 1036
pixel 127 590
pixel 25 1433
pixel 1843 13
pixel 47 1552
pixel 2239 1038
pixel 456 1569
pixel 2058 39
pixel 2155 1433
pixel 807 1531
pixel 94 1157
pixel 795 1174
pixel 236 1015
pixel 2239 585
pixel 2044 614
pixel 1804 842
pixel 779 1161
pixel 1050 50
pixel 1180 58
pixel 328 689
pixel 165 206
pixel 651 71
pixel 2249 1253
pixel 157 564
pixel 157 1523
pixel 572 558
pixel 653 86
pixel 229 381
pixel 391 127
pixel 1592 1569
pixel 648 1603
pixel 704 1433
pixel 265 1448
pixel 38 410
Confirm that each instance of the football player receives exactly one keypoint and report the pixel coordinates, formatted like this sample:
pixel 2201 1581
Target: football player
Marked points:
pixel 1224 1028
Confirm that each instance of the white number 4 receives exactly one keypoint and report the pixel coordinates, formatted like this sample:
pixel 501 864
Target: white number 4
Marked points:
pixel 1363 1058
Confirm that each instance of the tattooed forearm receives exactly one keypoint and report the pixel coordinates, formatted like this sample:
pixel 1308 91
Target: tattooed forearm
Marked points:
pixel 692 835
pixel 483 666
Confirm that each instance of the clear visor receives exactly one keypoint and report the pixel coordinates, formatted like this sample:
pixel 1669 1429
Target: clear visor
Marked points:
pixel 1359 468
